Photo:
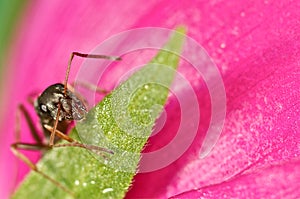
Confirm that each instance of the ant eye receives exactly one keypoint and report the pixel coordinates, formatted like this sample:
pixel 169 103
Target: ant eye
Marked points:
pixel 44 107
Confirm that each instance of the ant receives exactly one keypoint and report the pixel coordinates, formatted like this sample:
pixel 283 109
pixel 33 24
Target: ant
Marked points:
pixel 57 106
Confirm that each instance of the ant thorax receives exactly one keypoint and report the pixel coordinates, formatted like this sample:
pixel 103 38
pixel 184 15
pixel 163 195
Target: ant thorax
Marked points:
pixel 71 107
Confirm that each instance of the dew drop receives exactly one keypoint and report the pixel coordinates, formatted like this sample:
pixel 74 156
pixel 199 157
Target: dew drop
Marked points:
pixel 76 182
pixel 107 190
pixel 223 45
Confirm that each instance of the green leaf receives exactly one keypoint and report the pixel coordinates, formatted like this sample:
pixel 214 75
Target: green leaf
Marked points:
pixel 122 122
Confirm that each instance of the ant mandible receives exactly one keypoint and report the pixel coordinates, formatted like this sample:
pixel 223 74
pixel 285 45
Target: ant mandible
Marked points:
pixel 56 107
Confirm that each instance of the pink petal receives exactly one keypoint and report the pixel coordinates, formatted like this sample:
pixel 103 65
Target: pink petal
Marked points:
pixel 270 182
pixel 257 54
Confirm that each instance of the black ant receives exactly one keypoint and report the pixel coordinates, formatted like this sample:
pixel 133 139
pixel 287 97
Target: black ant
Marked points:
pixel 56 107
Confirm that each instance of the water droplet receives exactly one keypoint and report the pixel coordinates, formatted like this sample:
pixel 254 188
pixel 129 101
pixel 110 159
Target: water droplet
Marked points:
pixel 76 182
pixel 223 45
pixel 107 190
pixel 146 86
pixel 84 184
pixel 93 182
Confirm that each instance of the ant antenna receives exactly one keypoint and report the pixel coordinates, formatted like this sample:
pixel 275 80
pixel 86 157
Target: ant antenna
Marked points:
pixel 52 136
pixel 85 56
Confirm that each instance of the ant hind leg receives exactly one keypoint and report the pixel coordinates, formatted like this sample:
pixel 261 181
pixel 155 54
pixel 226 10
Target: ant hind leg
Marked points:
pixel 34 132
pixel 38 146
pixel 15 147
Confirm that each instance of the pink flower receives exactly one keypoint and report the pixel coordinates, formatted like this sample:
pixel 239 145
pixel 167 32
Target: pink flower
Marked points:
pixel 256 46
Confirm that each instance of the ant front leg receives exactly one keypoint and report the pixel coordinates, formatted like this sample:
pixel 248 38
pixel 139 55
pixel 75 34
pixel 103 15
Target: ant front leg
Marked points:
pixel 74 143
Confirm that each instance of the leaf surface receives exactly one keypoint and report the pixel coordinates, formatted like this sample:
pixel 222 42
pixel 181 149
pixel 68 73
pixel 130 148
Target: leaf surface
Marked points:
pixel 121 122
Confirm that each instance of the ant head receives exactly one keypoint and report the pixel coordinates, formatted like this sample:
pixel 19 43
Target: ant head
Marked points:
pixel 46 105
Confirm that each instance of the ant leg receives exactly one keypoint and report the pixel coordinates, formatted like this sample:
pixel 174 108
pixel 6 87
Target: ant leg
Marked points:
pixel 38 146
pixel 59 134
pixel 26 146
pixel 34 132
pixel 85 56
pixel 74 143
pixel 21 110
pixel 89 86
